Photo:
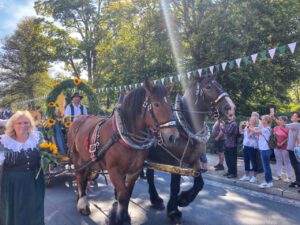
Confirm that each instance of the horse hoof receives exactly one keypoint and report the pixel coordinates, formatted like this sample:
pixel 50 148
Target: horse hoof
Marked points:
pixel 158 206
pixel 175 217
pixel 85 212
pixel 183 199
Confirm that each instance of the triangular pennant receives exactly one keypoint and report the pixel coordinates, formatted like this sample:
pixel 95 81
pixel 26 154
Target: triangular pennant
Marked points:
pixel 292 47
pixel 246 59
pixel 282 49
pixel 135 85
pixel 263 55
pixel 189 75
pixel 142 84
pixel 254 57
pixel 179 77
pixel 171 79
pixel 199 72
pixel 272 52
pixel 125 87
pixel 211 69
pixel 130 86
pixel 231 64
pixel 162 80
pixel 217 67
pixel 238 62
pixel 224 64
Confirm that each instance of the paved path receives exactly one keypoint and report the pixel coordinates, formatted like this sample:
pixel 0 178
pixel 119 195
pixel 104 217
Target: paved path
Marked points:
pixel 218 203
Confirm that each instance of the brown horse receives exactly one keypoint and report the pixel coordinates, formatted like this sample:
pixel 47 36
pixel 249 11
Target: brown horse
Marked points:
pixel 120 143
pixel 204 96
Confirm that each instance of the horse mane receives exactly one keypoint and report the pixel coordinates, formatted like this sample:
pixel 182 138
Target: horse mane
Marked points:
pixel 133 102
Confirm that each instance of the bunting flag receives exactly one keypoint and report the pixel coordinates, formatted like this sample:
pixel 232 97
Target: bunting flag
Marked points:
pixel 272 52
pixel 171 79
pixel 231 64
pixel 246 60
pixel 200 72
pixel 292 47
pixel 281 50
pixel 263 55
pixel 189 75
pixel 224 64
pixel 205 71
pixel 238 62
pixel 211 69
pixel 254 57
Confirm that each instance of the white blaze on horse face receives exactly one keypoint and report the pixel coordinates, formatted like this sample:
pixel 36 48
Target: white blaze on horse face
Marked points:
pixel 231 111
pixel 166 99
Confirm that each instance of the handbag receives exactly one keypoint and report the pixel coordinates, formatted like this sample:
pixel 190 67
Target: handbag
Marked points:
pixel 297 148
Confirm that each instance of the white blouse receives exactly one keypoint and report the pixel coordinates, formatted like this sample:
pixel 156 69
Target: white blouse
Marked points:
pixel 16 146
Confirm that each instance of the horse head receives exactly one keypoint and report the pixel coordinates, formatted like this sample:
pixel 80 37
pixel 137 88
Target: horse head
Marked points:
pixel 207 96
pixel 149 106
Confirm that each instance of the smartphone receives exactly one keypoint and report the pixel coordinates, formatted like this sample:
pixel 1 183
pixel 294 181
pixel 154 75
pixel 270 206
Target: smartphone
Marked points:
pixel 272 111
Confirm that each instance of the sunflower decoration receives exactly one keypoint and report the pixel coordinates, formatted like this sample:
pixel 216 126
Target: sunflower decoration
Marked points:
pixel 55 85
pixel 50 123
pixel 52 104
pixel 77 81
pixel 48 152
pixel 67 124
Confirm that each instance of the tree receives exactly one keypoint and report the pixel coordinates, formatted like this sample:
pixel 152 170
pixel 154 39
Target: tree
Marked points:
pixel 82 19
pixel 215 31
pixel 26 54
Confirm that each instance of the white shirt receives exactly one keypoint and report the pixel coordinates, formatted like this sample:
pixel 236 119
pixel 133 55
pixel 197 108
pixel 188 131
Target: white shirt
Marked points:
pixel 249 139
pixel 77 111
pixel 264 138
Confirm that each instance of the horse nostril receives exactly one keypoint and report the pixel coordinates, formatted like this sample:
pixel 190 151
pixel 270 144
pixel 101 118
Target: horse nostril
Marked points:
pixel 171 139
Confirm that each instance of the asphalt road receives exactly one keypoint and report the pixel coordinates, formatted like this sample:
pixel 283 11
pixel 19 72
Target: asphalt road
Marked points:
pixel 217 204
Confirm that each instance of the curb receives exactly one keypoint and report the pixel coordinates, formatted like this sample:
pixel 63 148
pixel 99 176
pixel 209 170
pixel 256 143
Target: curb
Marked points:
pixel 254 187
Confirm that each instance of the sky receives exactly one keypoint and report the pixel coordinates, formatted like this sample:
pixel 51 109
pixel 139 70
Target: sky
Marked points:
pixel 12 12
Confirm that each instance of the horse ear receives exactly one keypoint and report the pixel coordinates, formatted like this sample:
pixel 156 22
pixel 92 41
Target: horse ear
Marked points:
pixel 148 85
pixel 169 88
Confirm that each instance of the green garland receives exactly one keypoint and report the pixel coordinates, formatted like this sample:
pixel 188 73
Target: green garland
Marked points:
pixel 77 84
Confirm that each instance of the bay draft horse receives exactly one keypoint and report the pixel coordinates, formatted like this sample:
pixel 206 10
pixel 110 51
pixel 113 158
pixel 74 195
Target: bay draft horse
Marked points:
pixel 202 97
pixel 120 143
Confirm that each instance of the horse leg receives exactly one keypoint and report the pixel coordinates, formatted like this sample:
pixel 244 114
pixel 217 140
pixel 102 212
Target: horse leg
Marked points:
pixel 172 208
pixel 119 212
pixel 82 202
pixel 186 197
pixel 156 201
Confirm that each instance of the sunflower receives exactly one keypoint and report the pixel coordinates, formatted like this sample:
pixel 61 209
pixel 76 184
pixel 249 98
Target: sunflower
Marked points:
pixel 67 124
pixel 44 145
pixel 55 84
pixel 53 148
pixel 77 81
pixel 50 122
pixel 52 104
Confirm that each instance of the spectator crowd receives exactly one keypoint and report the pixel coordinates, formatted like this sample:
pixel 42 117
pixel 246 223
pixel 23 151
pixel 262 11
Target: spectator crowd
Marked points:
pixel 259 142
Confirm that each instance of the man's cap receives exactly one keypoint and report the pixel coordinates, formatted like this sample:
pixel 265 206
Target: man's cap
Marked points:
pixel 76 94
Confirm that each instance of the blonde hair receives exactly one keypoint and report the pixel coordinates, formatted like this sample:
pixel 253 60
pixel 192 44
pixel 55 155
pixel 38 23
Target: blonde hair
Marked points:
pixel 267 118
pixel 256 120
pixel 12 120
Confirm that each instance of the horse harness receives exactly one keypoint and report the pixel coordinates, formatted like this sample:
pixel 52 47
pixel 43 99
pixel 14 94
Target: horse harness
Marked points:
pixel 121 135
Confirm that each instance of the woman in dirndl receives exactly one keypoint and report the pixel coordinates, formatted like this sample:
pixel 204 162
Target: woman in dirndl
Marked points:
pixel 22 188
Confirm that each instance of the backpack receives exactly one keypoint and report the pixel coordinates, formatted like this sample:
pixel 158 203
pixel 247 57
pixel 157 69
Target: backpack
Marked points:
pixel 273 140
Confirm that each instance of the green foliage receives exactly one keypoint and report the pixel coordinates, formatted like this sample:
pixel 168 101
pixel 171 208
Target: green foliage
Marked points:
pixel 24 59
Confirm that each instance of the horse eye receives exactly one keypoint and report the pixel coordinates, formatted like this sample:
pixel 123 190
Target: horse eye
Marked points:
pixel 156 104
